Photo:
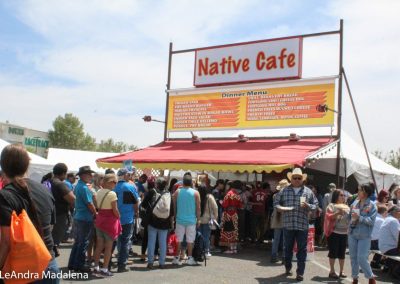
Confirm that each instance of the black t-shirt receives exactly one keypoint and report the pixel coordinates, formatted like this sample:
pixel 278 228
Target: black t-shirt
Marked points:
pixel 12 198
pixel 59 190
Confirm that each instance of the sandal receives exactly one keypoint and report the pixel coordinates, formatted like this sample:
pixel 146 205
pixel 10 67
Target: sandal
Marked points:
pixel 333 275
pixel 342 275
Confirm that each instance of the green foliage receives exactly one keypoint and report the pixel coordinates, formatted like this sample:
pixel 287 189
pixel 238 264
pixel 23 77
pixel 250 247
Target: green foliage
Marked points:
pixel 393 158
pixel 116 147
pixel 68 133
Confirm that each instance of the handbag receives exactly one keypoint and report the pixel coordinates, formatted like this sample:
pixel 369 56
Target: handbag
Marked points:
pixel 213 224
pixel 27 250
pixel 172 244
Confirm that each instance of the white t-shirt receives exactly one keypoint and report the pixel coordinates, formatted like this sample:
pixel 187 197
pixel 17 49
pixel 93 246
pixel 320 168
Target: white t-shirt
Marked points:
pixel 111 196
pixel 296 190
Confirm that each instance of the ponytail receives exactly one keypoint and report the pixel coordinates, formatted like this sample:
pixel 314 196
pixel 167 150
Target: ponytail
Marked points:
pixel 20 183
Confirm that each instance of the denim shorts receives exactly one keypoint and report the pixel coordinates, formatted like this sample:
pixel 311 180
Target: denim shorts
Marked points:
pixel 103 235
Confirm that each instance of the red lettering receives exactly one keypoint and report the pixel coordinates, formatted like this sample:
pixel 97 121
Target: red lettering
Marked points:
pixel 223 64
pixel 260 60
pixel 229 64
pixel 271 62
pixel 213 68
pixel 236 65
pixel 290 60
pixel 246 63
pixel 282 57
pixel 203 67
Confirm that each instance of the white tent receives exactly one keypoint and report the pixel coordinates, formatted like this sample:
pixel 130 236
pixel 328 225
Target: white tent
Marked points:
pixel 354 162
pixel 38 166
pixel 74 159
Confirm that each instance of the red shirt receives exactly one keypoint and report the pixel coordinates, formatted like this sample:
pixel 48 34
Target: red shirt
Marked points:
pixel 259 200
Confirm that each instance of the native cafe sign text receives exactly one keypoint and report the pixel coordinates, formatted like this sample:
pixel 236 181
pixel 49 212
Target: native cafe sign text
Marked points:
pixel 249 62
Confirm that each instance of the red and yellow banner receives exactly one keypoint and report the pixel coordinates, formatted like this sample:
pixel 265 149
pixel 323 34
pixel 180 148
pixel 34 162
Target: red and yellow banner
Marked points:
pixel 287 106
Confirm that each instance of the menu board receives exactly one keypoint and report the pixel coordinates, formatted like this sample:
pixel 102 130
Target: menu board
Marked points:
pixel 253 108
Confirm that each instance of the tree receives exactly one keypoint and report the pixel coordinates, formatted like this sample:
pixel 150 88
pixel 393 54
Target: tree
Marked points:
pixel 394 158
pixel 116 147
pixel 68 133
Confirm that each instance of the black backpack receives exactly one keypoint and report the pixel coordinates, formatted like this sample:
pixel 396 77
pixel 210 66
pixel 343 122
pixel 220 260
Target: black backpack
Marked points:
pixel 199 252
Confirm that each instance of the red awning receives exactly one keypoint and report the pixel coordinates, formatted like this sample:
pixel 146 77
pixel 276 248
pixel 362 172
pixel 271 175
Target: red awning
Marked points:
pixel 221 155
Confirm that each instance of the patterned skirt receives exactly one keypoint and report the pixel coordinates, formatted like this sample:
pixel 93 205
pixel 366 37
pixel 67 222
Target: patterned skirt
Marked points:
pixel 229 237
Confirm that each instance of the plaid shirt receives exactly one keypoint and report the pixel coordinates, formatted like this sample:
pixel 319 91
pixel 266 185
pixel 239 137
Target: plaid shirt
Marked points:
pixel 296 219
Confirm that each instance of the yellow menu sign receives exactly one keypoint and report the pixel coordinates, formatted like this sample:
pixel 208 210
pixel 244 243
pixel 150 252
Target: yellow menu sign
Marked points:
pixel 255 108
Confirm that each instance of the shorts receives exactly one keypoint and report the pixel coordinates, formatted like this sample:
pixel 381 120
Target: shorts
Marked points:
pixel 103 235
pixel 189 231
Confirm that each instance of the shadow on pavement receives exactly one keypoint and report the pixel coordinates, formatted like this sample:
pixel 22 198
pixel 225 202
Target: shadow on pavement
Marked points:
pixel 279 279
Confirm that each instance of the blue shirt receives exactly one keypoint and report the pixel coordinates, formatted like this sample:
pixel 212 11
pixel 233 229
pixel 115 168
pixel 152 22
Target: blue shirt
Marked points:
pixel 139 187
pixel 389 234
pixel 186 207
pixel 127 197
pixel 83 196
pixel 70 186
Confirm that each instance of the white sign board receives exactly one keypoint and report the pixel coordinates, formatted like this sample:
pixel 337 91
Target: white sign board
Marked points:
pixel 249 62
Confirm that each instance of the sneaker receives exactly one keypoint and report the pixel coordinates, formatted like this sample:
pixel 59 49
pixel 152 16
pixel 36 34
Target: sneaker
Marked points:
pixel 122 269
pixel 176 261
pixel 288 272
pixel 191 261
pixel 228 251
pixel 208 254
pixel 107 273
pixel 299 277
pixel 150 266
pixel 274 260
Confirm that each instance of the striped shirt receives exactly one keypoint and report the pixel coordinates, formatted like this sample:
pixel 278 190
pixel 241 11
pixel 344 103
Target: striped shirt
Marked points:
pixel 296 219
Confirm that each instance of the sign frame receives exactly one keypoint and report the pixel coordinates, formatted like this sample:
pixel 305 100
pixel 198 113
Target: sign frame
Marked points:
pixel 299 62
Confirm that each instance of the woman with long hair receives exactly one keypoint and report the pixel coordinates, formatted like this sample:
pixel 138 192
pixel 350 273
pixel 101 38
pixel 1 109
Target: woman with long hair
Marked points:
pixel 363 213
pixel 336 217
pixel 208 213
pixel 24 194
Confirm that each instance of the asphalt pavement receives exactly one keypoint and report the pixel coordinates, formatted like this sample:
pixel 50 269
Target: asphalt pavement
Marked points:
pixel 250 265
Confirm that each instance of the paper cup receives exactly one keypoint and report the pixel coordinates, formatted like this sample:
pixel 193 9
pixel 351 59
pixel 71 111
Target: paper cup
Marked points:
pixel 302 199
pixel 357 211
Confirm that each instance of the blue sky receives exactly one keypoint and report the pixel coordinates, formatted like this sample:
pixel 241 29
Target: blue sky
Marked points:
pixel 106 61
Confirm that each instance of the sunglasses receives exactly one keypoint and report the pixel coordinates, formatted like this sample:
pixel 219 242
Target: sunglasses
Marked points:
pixel 297 178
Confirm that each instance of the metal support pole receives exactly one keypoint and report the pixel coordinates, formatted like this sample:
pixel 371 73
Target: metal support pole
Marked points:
pixel 339 132
pixel 359 128
pixel 167 90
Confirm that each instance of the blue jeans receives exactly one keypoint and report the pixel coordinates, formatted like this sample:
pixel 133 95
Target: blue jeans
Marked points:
pixel 124 244
pixel 205 231
pixel 359 251
pixel 52 268
pixel 151 244
pixel 301 239
pixel 82 235
pixel 278 234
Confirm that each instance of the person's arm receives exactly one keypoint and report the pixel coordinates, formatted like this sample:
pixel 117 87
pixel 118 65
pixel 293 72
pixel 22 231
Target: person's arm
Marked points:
pixel 214 206
pixel 5 244
pixel 88 196
pixel 369 219
pixel 174 198
pixel 198 210
pixel 277 201
pixel 114 207
pixel 70 198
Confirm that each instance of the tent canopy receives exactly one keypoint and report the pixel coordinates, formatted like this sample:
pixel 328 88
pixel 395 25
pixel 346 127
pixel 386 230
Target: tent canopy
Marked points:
pixel 221 155
pixel 354 162
pixel 38 165
pixel 74 159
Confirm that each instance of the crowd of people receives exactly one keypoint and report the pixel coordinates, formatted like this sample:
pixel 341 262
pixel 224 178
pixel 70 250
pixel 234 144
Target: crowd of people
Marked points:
pixel 105 213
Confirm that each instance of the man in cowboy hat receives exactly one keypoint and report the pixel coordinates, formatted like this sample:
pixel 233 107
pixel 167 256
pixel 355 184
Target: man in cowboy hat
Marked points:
pixel 85 213
pixel 295 201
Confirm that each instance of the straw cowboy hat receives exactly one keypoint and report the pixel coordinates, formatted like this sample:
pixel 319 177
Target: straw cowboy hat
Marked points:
pixel 282 184
pixel 296 172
